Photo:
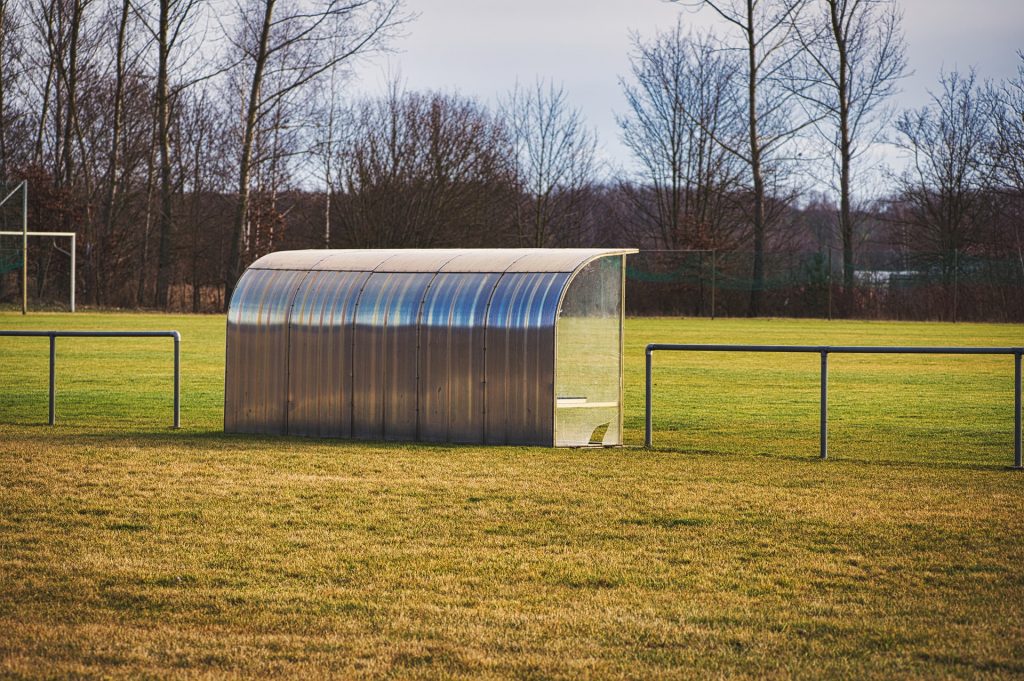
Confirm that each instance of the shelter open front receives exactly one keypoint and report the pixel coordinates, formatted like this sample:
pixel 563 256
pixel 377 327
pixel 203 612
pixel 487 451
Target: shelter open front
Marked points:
pixel 495 346
pixel 588 364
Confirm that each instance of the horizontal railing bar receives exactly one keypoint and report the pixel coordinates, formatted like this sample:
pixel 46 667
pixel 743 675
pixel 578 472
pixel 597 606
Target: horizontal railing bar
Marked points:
pixel 93 334
pixel 846 349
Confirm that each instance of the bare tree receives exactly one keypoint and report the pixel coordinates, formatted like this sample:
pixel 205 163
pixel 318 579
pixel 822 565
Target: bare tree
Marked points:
pixel 853 55
pixel 685 109
pixel 943 203
pixel 203 154
pixel 554 156
pixel 9 58
pixel 65 41
pixel 330 115
pixel 61 75
pixel 1008 126
pixel 175 27
pixel 284 48
pixel 764 34
pixel 122 136
pixel 424 170
pixel 10 115
pixel 117 115
pixel 1007 157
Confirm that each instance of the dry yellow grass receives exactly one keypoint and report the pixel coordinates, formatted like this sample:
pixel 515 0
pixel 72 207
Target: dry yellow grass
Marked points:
pixel 129 550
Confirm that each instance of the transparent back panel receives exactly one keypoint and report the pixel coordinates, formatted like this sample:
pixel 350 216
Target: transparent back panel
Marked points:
pixel 587 366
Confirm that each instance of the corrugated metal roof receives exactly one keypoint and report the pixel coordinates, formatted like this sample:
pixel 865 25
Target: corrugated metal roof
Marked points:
pixel 437 260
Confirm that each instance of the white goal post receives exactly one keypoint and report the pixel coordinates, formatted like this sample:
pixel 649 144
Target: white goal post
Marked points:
pixel 68 235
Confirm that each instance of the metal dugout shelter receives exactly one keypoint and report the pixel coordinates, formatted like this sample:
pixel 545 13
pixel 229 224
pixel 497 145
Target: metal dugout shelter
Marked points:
pixel 491 346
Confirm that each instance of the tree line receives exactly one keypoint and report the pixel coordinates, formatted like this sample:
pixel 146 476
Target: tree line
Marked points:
pixel 183 139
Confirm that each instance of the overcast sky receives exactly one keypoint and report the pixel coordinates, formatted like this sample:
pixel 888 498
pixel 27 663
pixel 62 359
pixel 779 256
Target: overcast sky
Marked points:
pixel 481 47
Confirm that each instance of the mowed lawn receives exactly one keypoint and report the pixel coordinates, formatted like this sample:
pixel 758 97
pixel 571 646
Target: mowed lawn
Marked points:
pixel 131 550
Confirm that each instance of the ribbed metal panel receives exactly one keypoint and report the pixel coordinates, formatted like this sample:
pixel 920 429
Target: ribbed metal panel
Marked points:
pixel 355 261
pixel 438 345
pixel 256 366
pixel 555 259
pixel 520 354
pixel 431 261
pixel 451 351
pixel 486 260
pixel 384 356
pixel 320 354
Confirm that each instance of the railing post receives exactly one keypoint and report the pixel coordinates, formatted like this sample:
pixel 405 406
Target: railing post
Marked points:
pixel 647 403
pixel 53 362
pixel 1016 410
pixel 177 380
pixel 823 434
pixel 24 247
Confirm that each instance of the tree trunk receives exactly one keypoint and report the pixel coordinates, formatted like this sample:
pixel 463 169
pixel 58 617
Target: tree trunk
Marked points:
pixel 44 109
pixel 140 295
pixel 252 114
pixel 99 296
pixel 165 224
pixel 71 82
pixel 327 216
pixel 845 159
pixel 3 97
pixel 758 218
pixel 197 194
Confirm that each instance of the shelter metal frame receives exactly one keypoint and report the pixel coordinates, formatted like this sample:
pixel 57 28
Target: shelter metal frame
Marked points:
pixel 358 343
pixel 824 351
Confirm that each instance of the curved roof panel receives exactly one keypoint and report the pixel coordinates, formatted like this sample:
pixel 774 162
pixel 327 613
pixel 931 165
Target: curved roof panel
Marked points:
pixel 437 260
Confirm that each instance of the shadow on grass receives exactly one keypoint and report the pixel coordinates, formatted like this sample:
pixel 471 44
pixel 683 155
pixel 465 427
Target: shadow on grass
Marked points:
pixel 214 439
pixel 814 459
pixel 217 440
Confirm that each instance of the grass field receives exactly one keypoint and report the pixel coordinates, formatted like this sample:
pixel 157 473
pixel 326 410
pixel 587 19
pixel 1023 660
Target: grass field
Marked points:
pixel 130 550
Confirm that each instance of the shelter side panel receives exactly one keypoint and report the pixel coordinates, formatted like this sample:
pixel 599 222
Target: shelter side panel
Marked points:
pixel 520 358
pixel 320 354
pixel 255 373
pixel 451 387
pixel 384 356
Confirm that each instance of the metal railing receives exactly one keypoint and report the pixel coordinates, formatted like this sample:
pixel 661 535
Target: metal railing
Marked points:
pixel 53 335
pixel 825 351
